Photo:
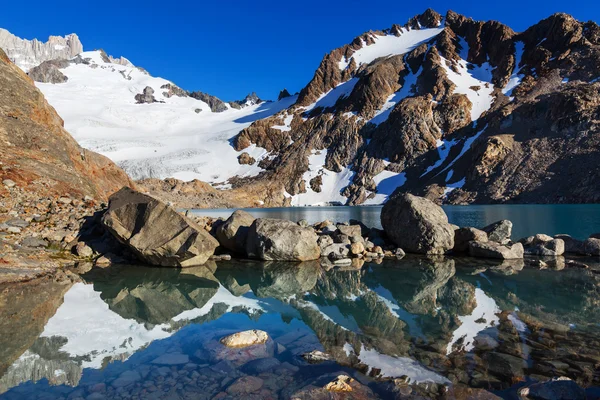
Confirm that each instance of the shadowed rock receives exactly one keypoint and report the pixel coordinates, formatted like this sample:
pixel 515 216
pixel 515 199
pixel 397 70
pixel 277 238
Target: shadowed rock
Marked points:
pixel 156 233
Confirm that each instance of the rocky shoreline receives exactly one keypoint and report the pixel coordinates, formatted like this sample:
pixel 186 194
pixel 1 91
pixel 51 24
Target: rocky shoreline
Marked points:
pixel 40 236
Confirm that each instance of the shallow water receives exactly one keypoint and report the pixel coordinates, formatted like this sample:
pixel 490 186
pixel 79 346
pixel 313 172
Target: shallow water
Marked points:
pixel 138 332
pixel 577 220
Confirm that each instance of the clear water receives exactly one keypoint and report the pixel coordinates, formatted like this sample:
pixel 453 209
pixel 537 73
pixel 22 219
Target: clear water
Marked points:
pixel 145 333
pixel 577 220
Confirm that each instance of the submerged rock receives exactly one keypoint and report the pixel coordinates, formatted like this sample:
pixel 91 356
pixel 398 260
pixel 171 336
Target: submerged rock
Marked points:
pixel 274 239
pixel 417 225
pixel 156 233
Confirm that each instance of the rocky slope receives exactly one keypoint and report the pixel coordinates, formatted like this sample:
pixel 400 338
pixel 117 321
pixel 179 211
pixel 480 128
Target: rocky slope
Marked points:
pixel 459 110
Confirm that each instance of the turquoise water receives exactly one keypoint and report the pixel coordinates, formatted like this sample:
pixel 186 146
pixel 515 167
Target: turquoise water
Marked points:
pixel 577 220
pixel 150 333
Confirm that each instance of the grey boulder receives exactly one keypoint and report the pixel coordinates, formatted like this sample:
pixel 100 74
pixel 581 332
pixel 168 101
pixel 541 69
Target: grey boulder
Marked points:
pixel 157 234
pixel 232 233
pixel 417 225
pixel 543 245
pixel 499 231
pixel 275 239
pixel 496 250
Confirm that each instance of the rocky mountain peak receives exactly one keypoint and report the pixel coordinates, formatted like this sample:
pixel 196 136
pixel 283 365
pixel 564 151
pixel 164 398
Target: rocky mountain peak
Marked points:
pixel 27 54
pixel 250 100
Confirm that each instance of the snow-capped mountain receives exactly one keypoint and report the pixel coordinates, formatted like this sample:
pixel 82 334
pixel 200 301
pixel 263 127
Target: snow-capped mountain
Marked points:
pixel 443 106
pixel 172 135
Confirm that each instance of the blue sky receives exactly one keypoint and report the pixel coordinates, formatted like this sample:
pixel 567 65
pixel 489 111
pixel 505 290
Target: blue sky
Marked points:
pixel 230 48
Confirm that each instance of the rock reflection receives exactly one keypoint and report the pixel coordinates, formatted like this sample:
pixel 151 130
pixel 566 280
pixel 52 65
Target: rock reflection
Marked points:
pixel 478 323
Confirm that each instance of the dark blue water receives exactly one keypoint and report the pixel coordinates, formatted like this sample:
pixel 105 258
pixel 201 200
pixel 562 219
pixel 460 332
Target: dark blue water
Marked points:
pixel 577 220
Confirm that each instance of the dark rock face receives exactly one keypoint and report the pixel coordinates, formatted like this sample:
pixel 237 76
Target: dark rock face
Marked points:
pixel 156 233
pixel 273 239
pixel 417 225
pixel 146 97
pixel 215 104
pixel 49 72
pixel 283 94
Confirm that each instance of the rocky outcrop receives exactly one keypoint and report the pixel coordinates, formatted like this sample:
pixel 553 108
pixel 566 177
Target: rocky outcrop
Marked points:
pixel 215 104
pixel 37 154
pixel 172 90
pixel 147 96
pixel 157 234
pixel 49 72
pixel 27 54
pixel 417 225
pixel 283 94
pixel 273 239
pixel 250 100
pixel 543 245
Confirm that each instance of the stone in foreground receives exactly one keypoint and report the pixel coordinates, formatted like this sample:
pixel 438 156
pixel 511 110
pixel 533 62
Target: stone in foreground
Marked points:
pixel 245 338
pixel 156 233
pixel 232 233
pixel 275 239
pixel 496 250
pixel 417 225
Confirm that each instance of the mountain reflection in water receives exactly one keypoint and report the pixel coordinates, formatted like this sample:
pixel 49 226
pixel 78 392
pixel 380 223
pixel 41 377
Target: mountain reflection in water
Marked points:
pixel 132 331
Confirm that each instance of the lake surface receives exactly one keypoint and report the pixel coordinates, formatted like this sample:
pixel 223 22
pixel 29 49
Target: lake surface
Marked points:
pixel 149 333
pixel 577 220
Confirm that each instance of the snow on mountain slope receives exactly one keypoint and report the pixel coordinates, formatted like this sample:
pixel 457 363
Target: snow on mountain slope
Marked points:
pixel 390 45
pixel 175 137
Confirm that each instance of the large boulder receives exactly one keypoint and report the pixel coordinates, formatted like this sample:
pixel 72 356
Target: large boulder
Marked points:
pixel 275 239
pixel 591 247
pixel 232 233
pixel 543 245
pixel 417 225
pixel 499 231
pixel 572 245
pixel 496 250
pixel 156 233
